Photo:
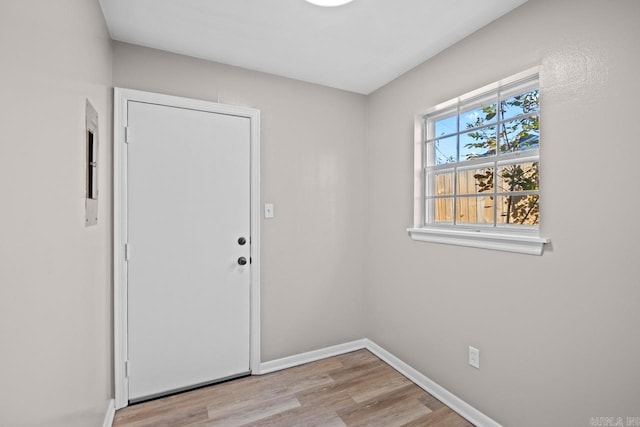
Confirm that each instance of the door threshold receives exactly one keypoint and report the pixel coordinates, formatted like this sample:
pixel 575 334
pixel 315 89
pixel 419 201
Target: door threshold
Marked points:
pixel 188 388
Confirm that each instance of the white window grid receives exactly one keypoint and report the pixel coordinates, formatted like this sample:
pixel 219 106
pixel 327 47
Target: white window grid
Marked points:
pixel 456 108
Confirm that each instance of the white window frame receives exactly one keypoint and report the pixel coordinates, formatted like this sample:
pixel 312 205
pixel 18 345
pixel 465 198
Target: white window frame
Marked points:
pixel 510 238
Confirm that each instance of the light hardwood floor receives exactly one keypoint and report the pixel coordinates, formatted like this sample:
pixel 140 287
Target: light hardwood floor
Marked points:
pixel 353 389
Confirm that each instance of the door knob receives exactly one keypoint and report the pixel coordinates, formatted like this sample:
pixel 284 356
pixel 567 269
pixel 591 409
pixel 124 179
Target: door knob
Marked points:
pixel 242 241
pixel 242 260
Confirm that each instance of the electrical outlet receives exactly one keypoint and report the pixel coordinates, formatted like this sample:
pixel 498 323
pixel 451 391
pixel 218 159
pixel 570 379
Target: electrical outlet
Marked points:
pixel 474 357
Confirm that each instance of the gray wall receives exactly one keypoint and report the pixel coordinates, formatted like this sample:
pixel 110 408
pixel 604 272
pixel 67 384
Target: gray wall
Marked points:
pixel 558 334
pixel 55 274
pixel 313 170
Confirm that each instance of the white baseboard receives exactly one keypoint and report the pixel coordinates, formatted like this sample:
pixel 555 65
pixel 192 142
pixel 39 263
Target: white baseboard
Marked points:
pixel 452 401
pixel 310 356
pixel 110 415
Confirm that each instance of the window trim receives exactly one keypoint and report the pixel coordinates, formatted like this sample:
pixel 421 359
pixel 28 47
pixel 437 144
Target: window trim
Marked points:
pixel 474 238
pixel 522 240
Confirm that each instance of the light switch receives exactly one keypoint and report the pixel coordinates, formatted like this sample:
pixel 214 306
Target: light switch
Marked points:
pixel 268 210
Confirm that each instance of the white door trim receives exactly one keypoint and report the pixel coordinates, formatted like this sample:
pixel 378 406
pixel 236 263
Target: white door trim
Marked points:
pixel 121 99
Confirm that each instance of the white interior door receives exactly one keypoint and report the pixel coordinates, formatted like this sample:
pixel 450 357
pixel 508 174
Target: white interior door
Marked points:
pixel 188 186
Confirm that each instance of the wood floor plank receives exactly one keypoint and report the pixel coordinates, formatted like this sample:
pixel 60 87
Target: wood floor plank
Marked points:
pixel 393 409
pixel 367 367
pixel 359 357
pixel 330 397
pixel 353 389
pixel 174 418
pixel 325 419
pixel 386 383
pixel 443 417
pixel 356 384
pixel 321 413
pixel 431 402
pixel 252 413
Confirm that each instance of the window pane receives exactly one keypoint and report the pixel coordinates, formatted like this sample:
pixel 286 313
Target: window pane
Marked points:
pixel 520 134
pixel 442 183
pixel 445 150
pixel 474 210
pixel 519 209
pixel 523 103
pixel 474 171
pixel 446 126
pixel 474 181
pixel 478 143
pixel 477 117
pixel 518 177
pixel 443 209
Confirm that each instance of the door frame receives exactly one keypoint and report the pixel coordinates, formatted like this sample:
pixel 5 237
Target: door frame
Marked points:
pixel 120 135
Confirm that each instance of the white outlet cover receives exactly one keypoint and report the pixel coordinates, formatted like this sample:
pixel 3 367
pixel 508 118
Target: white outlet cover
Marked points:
pixel 474 357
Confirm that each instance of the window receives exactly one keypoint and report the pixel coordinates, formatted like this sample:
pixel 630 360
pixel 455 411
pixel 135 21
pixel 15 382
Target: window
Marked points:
pixel 478 168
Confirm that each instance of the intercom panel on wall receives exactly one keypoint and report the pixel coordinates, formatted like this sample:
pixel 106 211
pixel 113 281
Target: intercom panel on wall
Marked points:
pixel 91 182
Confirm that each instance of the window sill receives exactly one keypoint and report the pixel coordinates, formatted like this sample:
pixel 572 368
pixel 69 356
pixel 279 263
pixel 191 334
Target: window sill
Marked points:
pixel 518 243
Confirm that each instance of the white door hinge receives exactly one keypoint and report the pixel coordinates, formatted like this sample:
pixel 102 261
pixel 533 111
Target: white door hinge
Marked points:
pixel 126 368
pixel 127 252
pixel 127 134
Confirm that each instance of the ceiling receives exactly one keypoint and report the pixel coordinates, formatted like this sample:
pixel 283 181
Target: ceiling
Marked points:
pixel 358 47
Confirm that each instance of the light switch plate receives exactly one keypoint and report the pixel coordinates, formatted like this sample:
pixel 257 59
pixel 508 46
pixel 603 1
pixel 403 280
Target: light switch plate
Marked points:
pixel 474 357
pixel 268 210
